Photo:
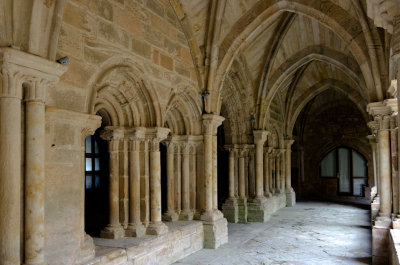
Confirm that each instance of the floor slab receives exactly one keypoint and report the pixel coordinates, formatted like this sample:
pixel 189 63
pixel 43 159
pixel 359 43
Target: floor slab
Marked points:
pixel 308 233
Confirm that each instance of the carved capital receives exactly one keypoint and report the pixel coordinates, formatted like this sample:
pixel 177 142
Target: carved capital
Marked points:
pixel 210 123
pixel 18 68
pixel 288 143
pixel 260 136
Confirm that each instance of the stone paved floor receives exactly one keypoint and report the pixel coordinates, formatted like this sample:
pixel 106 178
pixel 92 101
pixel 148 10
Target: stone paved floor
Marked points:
pixel 310 233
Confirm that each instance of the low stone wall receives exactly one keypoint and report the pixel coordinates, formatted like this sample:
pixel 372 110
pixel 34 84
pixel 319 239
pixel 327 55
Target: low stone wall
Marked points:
pixel 394 246
pixel 183 238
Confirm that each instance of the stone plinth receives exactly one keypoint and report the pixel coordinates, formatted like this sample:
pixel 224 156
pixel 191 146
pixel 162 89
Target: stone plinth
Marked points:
pixel 257 210
pixel 215 229
pixel 230 210
pixel 242 210
pixel 290 198
pixel 270 205
pixel 380 240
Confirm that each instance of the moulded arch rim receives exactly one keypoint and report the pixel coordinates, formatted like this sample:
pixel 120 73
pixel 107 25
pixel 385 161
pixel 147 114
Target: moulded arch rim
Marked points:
pixel 137 72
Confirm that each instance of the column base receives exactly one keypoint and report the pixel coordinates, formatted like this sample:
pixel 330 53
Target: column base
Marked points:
pixel 290 198
pixel 157 228
pixel 186 215
pixel 112 232
pixel 242 210
pixel 135 230
pixel 257 210
pixel 87 250
pixel 268 194
pixel 375 206
pixel 380 240
pixel 215 229
pixel 170 216
pixel 230 210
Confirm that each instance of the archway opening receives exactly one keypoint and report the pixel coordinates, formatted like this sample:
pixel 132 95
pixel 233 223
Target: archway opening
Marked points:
pixel 96 184
pixel 223 167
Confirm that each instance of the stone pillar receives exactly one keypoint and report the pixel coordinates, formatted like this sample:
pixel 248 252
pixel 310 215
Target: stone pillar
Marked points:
pixel 381 225
pixel 22 70
pixel 395 172
pixel 186 213
pixel 170 215
pixel 114 229
pixel 230 207
pixel 271 169
pixel 267 192
pixel 178 178
pixel 252 180
pixel 124 180
pixel 34 173
pixel 156 227
pixel 135 227
pixel 193 177
pixel 242 200
pixel 215 172
pixel 372 142
pixel 215 226
pixel 290 194
pixel 257 208
pixel 278 171
pixel 384 169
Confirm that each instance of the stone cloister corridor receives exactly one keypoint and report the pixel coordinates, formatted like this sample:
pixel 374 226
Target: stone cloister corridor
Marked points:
pixel 312 232
pixel 137 132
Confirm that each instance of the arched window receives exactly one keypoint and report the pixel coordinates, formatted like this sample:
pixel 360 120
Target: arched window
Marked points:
pixel 350 169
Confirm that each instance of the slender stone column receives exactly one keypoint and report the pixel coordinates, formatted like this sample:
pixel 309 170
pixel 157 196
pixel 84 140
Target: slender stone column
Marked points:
pixel 178 178
pixel 246 165
pixel 215 226
pixel 290 194
pixel 384 169
pixel 34 173
pixel 282 169
pixel 372 142
pixel 252 180
pixel 215 172
pixel 266 174
pixel 193 177
pixel 231 173
pixel 135 227
pixel 156 227
pixel 259 138
pixel 278 172
pixel 114 229
pixel 395 172
pixel 257 207
pixel 186 213
pixel 210 125
pixel 242 200
pixel 170 215
pixel 230 207
pixel 271 170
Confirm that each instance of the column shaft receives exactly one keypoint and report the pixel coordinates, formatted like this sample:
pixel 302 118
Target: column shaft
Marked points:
pixel 178 178
pixel 170 179
pixel 231 174
pixel 266 175
pixel 288 169
pixel 185 183
pixel 155 186
pixel 259 170
pixel 214 173
pixel 242 193
pixel 384 169
pixel 208 177
pixel 34 182
pixel 135 227
pixel 193 179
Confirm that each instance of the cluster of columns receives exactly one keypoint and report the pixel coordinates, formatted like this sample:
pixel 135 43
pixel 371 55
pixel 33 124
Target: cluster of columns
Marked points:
pixel 24 79
pixel 256 173
pixel 385 193
pixel 182 177
pixel 134 152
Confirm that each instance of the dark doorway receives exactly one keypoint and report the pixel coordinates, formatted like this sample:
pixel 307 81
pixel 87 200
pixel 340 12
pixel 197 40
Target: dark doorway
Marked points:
pixel 223 167
pixel 96 184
